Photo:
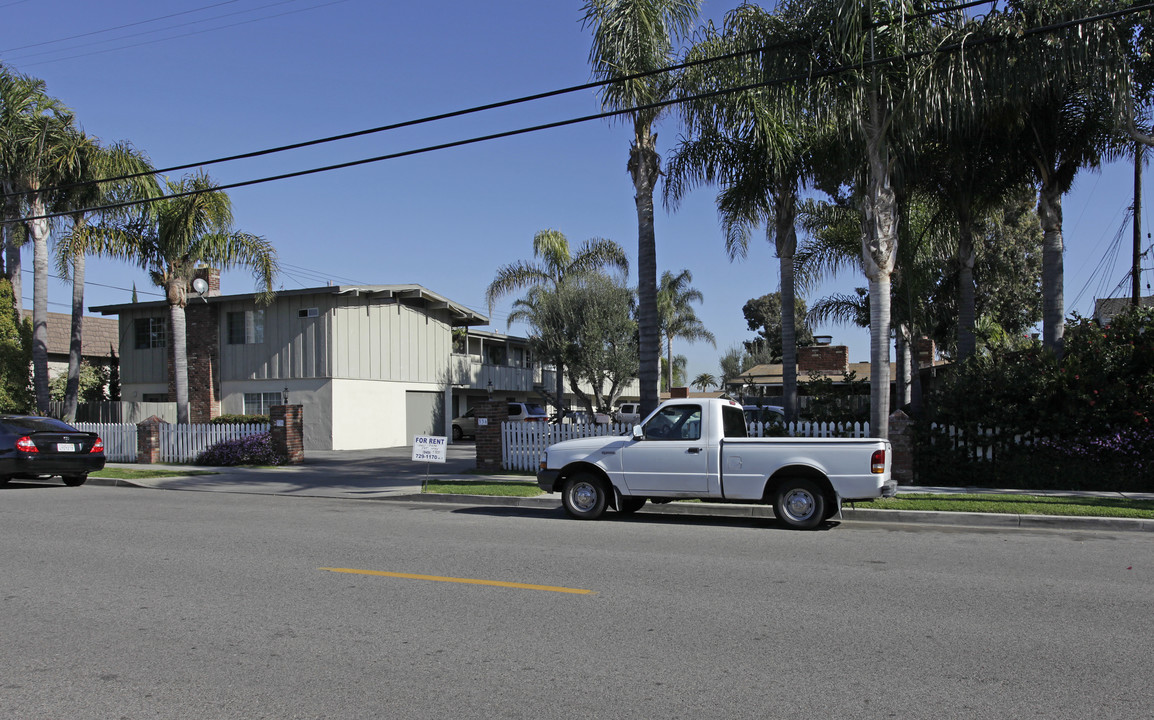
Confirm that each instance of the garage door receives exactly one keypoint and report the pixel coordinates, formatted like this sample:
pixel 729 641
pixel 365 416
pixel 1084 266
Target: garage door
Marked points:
pixel 424 414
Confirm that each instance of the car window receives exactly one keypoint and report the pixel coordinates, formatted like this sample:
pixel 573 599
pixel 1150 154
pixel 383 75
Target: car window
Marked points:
pixel 534 409
pixel 733 422
pixel 514 409
pixel 470 413
pixel 677 422
pixel 24 425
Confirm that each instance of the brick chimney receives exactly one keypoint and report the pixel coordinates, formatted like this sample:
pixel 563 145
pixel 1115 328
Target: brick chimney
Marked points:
pixel 210 276
pixel 925 350
pixel 824 359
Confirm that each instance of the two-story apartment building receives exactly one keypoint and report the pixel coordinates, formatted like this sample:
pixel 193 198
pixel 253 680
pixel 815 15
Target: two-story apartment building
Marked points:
pixel 372 365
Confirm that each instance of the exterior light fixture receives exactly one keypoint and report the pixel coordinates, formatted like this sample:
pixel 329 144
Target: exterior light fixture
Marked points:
pixel 284 396
pixel 489 387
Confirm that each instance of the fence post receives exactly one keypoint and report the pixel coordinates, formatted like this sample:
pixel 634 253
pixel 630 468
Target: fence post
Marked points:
pixel 148 440
pixel 903 447
pixel 494 413
pixel 286 428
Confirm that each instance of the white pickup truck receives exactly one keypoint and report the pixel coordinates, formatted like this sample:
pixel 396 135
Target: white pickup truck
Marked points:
pixel 699 448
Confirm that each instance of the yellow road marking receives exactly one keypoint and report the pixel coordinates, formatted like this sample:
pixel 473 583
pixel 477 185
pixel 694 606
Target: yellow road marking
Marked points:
pixel 467 581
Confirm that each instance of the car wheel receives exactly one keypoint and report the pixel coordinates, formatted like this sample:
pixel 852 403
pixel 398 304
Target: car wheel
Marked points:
pixel 630 505
pixel 74 480
pixel 584 497
pixel 4 479
pixel 800 504
pixel 457 434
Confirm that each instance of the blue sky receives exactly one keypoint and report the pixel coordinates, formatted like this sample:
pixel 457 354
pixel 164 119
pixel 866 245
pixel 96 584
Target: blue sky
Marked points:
pixel 250 74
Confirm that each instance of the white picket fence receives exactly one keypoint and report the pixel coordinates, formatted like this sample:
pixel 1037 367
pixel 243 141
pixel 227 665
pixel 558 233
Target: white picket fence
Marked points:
pixel 983 443
pixel 522 444
pixel 178 443
pixel 182 443
pixel 119 439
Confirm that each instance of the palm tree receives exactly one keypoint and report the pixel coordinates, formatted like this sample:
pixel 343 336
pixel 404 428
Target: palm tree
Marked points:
pixel 115 161
pixel 555 265
pixel 632 37
pixel 756 144
pixel 42 150
pixel 704 381
pixel 677 316
pixel 180 235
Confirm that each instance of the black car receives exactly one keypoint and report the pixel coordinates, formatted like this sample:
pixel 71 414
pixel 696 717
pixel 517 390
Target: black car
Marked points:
pixel 32 447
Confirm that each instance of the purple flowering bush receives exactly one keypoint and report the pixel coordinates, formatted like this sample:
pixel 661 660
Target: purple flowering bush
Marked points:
pixel 251 450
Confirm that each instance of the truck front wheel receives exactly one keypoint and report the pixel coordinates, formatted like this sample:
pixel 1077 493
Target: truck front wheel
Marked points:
pixel 800 504
pixel 584 497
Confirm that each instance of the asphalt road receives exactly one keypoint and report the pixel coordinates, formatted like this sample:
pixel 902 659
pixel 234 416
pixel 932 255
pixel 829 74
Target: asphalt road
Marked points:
pixel 126 603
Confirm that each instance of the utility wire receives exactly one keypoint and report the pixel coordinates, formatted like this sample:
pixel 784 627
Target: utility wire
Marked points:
pixel 139 34
pixel 607 114
pixel 477 109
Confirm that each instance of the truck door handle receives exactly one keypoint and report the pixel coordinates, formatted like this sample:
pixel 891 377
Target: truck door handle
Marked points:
pixel 694 451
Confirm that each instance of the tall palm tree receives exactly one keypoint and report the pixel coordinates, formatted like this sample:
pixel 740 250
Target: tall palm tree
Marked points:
pixel 756 144
pixel 42 150
pixel 554 266
pixel 678 318
pixel 180 235
pixel 632 37
pixel 99 162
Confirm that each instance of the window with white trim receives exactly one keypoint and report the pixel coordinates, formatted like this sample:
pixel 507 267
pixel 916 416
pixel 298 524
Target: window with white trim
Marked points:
pixel 259 403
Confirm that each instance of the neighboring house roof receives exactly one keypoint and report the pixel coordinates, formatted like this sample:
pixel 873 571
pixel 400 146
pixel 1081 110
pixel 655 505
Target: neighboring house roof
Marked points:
pixel 100 337
pixel 771 374
pixel 1106 308
pixel 415 293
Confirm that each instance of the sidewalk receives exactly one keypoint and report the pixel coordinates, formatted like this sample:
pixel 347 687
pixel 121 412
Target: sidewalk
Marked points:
pixel 390 474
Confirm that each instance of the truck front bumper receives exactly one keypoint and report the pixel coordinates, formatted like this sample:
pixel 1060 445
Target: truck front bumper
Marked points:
pixel 547 479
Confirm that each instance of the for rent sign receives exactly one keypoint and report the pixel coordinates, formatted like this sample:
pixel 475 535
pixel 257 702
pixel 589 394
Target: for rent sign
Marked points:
pixel 429 448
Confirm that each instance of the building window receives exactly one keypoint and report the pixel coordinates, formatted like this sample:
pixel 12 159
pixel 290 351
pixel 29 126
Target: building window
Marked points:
pixel 150 333
pixel 259 403
pixel 246 327
pixel 308 313
pixel 154 397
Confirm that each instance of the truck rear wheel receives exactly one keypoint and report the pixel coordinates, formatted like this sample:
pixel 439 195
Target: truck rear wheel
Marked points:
pixel 584 497
pixel 799 504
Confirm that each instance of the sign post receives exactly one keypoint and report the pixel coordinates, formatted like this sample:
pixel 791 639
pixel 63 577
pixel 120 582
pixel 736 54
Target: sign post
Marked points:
pixel 429 449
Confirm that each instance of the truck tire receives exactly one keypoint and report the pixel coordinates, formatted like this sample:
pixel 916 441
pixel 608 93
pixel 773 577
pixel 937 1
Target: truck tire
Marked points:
pixel 630 505
pixel 584 497
pixel 800 504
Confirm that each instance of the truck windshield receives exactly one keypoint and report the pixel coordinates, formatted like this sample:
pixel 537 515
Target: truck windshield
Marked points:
pixel 733 422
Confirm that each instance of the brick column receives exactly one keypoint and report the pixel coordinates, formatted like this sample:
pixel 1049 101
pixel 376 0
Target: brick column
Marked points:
pixel 286 426
pixel 148 440
pixel 901 438
pixel 489 450
pixel 202 330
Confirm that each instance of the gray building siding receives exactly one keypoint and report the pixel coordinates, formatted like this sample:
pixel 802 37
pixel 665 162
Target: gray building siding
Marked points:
pixel 148 365
pixel 378 338
pixel 293 347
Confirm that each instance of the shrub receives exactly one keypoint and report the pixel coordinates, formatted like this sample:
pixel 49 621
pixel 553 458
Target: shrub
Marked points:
pixel 251 450
pixel 240 420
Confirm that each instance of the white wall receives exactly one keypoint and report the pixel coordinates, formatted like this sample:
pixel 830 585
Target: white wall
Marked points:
pixel 315 395
pixel 371 413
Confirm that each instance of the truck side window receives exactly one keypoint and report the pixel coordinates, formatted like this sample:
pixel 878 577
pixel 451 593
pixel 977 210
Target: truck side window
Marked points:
pixel 733 423
pixel 679 422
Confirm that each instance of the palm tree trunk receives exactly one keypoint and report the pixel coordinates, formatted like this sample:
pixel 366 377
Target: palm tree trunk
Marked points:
pixel 644 167
pixel 12 269
pixel 1053 301
pixel 966 306
pixel 669 363
pixel 72 386
pixel 879 252
pixel 179 361
pixel 785 238
pixel 39 230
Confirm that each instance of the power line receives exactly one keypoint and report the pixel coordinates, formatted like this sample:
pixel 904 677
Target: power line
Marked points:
pixel 830 72
pixel 118 27
pixel 480 108
pixel 189 34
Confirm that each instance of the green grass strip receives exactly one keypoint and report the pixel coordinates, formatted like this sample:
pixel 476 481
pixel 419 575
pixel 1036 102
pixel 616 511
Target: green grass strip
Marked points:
pixel 484 487
pixel 135 474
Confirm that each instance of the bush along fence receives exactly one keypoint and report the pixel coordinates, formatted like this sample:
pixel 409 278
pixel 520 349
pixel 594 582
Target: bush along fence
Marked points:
pixel 522 443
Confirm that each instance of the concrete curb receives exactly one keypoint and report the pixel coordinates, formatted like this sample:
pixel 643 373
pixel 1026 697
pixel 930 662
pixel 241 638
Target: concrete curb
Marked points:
pixel 853 515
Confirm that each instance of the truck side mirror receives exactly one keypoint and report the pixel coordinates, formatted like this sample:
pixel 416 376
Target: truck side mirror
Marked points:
pixel 638 433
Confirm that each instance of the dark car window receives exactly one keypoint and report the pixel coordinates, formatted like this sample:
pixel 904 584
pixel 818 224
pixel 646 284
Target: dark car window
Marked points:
pixel 676 422
pixel 733 422
pixel 514 409
pixel 26 425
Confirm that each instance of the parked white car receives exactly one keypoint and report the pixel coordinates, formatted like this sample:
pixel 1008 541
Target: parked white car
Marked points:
pixel 629 413
pixel 466 425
